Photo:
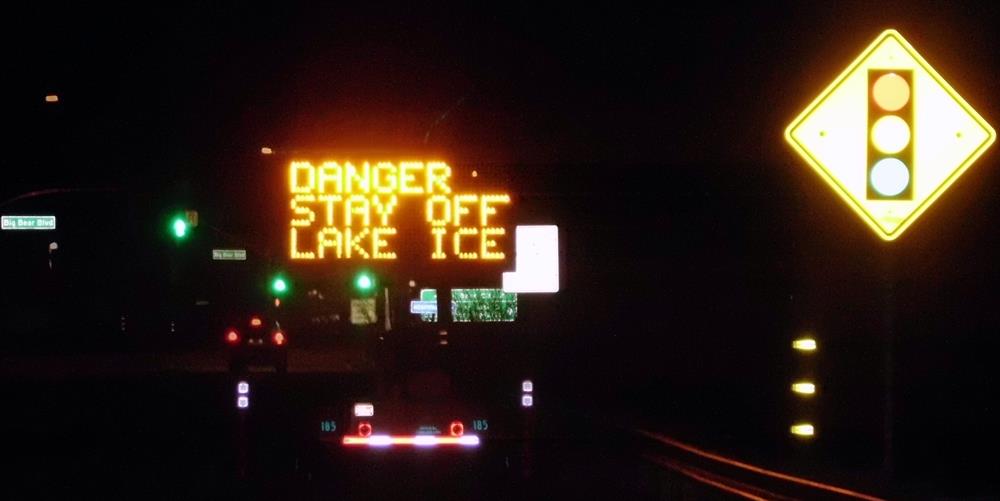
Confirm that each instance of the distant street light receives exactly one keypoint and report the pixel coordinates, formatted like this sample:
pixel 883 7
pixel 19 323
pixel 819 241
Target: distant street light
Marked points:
pixel 52 98
pixel 266 151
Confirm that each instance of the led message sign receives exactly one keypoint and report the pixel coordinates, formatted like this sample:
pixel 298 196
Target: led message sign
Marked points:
pixel 349 211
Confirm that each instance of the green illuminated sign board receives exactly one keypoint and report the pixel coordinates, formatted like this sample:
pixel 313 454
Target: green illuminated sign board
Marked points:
pixel 469 305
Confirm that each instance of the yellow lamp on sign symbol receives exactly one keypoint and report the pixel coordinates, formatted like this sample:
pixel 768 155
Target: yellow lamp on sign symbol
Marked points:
pixel 890 134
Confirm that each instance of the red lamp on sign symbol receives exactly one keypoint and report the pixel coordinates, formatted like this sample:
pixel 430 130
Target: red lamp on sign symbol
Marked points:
pixel 890 135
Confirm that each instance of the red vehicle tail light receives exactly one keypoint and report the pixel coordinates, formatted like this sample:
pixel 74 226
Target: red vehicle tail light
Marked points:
pixel 456 429
pixel 278 338
pixel 365 429
pixel 232 337
pixel 255 321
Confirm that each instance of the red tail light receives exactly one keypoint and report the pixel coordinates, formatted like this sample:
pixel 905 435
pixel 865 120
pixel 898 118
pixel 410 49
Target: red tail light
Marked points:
pixel 365 429
pixel 456 429
pixel 278 338
pixel 232 337
pixel 255 321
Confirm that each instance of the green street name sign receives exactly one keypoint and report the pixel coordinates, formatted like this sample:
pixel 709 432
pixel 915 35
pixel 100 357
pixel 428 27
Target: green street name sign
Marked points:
pixel 229 254
pixel 27 222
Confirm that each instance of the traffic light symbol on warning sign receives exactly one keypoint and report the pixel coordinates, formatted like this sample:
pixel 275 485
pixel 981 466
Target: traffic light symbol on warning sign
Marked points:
pixel 890 135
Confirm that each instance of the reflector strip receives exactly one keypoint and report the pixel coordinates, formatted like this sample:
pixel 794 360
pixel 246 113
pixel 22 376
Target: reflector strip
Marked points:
pixel 418 440
pixel 804 344
pixel 803 430
pixel 804 388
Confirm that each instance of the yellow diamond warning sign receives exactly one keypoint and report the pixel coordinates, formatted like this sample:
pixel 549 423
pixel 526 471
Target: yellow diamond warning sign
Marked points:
pixel 889 135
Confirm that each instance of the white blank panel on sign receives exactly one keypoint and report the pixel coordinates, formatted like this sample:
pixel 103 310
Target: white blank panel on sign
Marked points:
pixel 536 261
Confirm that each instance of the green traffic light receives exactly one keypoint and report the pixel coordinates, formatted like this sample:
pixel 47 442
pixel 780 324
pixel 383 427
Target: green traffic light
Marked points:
pixel 364 282
pixel 180 227
pixel 279 285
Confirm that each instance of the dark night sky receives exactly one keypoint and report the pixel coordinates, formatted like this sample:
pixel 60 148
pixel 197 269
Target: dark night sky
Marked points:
pixel 607 84
pixel 673 116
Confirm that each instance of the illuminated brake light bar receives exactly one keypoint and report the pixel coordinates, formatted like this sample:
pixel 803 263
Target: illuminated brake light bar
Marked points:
pixel 417 440
pixel 425 440
pixel 379 441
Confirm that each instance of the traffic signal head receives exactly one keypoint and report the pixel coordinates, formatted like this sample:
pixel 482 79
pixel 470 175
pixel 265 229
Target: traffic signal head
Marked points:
pixel 179 227
pixel 890 134
pixel 279 285
pixel 181 224
pixel 364 282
